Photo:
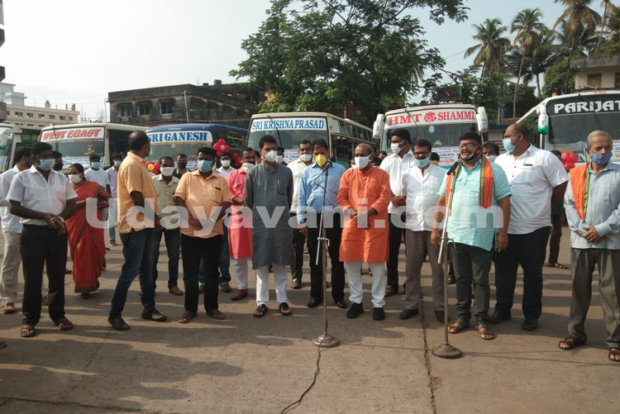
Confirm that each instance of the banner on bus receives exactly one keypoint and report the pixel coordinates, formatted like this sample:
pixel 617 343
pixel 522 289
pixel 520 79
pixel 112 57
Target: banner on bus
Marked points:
pixel 441 116
pixel 73 134
pixel 447 155
pixel 180 136
pixel 616 152
pixel 290 124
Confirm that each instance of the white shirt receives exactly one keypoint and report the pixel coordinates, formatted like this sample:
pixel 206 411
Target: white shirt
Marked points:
pixel 113 178
pixel 34 192
pixel 532 178
pixel 10 223
pixel 221 171
pixel 297 167
pixel 99 176
pixel 422 194
pixel 394 166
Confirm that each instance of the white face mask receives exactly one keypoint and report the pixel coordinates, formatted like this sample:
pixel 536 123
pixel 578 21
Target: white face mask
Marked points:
pixel 279 159
pixel 167 171
pixel 492 158
pixel 271 156
pixel 247 166
pixel 362 162
pixel 75 178
pixel 226 163
pixel 395 148
pixel 306 157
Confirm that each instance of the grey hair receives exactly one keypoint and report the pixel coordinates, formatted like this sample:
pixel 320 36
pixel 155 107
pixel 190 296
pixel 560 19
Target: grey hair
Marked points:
pixel 595 134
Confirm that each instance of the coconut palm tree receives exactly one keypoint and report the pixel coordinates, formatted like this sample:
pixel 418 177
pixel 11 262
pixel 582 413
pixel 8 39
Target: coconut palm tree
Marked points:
pixel 526 25
pixel 608 10
pixel 492 47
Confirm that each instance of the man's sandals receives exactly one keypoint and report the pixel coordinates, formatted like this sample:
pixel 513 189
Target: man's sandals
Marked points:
pixel 28 331
pixel 483 329
pixel 614 354
pixel 571 343
pixel 187 317
pixel 557 265
pixel 260 311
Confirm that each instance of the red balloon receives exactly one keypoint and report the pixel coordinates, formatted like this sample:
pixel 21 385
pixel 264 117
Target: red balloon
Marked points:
pixel 226 148
pixel 235 156
pixel 238 164
pixel 569 159
pixel 221 141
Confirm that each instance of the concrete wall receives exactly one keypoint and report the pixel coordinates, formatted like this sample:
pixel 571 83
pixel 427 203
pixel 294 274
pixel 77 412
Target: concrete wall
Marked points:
pixel 40 117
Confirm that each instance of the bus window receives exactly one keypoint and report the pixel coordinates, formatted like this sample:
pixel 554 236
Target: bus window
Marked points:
pixel 119 143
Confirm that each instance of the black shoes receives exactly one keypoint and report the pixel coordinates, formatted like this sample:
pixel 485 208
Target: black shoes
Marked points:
pixel 530 324
pixel 154 316
pixel 314 302
pixel 408 313
pixel 499 317
pixel 378 314
pixel 341 303
pixel 296 283
pixel 356 310
pixel 441 315
pixel 118 324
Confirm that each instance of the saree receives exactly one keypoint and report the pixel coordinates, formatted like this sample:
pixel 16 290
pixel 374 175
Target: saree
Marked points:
pixel 86 243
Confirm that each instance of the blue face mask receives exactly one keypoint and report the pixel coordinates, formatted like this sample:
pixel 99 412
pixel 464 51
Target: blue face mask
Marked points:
pixel 422 163
pixel 508 145
pixel 95 165
pixel 601 159
pixel 204 165
pixel 46 165
pixel 117 163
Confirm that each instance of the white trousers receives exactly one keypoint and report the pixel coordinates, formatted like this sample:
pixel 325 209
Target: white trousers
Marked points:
pixel 241 272
pixel 354 272
pixel 262 284
pixel 9 277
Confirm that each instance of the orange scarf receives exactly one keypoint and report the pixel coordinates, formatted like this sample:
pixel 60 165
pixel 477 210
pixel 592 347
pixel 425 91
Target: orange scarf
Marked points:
pixel 580 181
pixel 486 184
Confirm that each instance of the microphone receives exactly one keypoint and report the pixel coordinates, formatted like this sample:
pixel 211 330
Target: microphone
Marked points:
pixel 453 168
pixel 328 164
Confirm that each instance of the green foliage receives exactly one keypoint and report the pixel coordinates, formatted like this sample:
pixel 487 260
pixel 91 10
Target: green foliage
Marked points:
pixel 555 79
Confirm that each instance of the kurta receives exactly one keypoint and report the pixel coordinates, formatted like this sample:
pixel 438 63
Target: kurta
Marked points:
pixel 270 193
pixel 239 236
pixel 366 190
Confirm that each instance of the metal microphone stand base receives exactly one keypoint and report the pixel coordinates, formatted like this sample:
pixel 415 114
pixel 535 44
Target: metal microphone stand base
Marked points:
pixel 447 351
pixel 325 341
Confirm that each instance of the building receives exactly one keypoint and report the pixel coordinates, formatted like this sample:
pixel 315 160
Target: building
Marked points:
pixel 598 72
pixel 229 104
pixel 18 113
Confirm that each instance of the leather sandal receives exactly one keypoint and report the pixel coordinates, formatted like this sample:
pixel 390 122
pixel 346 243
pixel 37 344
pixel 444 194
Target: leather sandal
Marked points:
pixel 216 314
pixel 458 326
pixel 187 317
pixel 260 311
pixel 484 332
pixel 571 343
pixel 64 324
pixel 27 331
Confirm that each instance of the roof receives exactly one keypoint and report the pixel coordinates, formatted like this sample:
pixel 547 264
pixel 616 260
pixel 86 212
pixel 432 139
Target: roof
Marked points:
pixel 194 127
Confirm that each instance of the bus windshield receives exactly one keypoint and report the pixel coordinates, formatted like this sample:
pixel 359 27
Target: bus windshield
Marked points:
pixel 79 151
pixel 287 139
pixel 569 132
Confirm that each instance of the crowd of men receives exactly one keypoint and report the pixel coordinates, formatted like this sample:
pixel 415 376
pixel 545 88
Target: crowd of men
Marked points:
pixel 498 209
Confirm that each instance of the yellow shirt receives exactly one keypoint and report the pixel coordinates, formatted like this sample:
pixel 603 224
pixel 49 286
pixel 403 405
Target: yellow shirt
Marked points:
pixel 134 176
pixel 203 194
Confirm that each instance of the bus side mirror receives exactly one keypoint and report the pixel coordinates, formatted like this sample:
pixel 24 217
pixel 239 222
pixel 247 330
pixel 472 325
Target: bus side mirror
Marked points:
pixel 377 127
pixel 543 121
pixel 482 120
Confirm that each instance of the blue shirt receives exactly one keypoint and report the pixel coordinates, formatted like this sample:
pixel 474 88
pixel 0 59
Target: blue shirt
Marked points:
pixel 311 189
pixel 469 223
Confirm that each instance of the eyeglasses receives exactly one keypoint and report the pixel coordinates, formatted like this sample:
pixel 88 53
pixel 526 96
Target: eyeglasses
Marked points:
pixel 468 146
pixel 421 154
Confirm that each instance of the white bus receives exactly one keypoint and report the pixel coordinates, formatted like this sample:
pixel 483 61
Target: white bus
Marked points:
pixel 78 142
pixel 563 122
pixel 441 125
pixel 10 138
pixel 290 128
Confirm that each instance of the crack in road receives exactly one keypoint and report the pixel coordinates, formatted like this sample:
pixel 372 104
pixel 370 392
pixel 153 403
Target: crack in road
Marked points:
pixel 427 359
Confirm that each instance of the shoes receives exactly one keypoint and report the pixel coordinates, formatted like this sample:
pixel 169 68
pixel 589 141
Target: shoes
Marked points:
pixel 408 313
pixel 201 289
pixel 174 290
pixel 226 288
pixel 118 324
pixel 216 314
pixel 107 249
pixel 9 308
pixel 530 324
pixel 154 316
pixel 451 280
pixel 356 310
pixel 241 293
pixel 44 301
pixel 68 272
pixel 113 243
pixel 314 302
pixel 499 317
pixel 341 303
pixel 296 283
pixel 378 314
pixel 389 291
pixel 441 315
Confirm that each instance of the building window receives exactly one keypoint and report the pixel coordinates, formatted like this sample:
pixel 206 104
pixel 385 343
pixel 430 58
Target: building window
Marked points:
pixel 41 126
pixel 144 109
pixel 594 80
pixel 124 109
pixel 30 124
pixel 19 113
pixel 8 113
pixel 62 117
pixel 29 115
pixel 70 118
pixel 41 116
pixel 167 107
pixel 52 116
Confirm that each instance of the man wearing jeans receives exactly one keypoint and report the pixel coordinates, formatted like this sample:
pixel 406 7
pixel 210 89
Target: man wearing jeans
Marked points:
pixel 137 203
pixel 112 172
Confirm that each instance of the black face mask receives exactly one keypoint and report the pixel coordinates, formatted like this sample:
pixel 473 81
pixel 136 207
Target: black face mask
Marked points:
pixel 181 165
pixel 470 158
pixel 57 166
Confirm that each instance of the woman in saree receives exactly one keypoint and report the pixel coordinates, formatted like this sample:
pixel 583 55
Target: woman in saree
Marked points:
pixel 86 243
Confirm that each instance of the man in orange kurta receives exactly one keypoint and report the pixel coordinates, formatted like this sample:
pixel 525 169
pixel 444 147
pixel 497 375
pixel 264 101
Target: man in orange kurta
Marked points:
pixel 365 194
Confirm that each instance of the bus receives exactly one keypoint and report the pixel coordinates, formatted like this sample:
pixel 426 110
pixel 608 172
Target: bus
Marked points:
pixel 563 122
pixel 172 140
pixel 12 138
pixel 290 128
pixel 78 142
pixel 441 125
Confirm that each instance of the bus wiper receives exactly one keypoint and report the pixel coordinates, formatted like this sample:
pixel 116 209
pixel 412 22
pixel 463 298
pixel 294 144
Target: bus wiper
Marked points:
pixel 277 130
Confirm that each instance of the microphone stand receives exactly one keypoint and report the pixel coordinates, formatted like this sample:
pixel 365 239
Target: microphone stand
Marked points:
pixel 324 340
pixel 446 350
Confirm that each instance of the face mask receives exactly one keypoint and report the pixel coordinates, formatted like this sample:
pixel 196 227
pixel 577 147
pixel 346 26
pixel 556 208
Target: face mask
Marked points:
pixel 362 162
pixel 58 166
pixel 95 165
pixel 271 156
pixel 204 165
pixel 46 165
pixel 226 163
pixel 167 171
pixel 306 157
pixel 320 160
pixel 181 165
pixel 492 158
pixel 117 163
pixel 470 158
pixel 247 166
pixel 395 148
pixel 421 163
pixel 75 178
pixel 600 159
pixel 508 145
pixel 279 159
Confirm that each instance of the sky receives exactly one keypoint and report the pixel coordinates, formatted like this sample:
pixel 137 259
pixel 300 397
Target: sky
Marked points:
pixel 76 51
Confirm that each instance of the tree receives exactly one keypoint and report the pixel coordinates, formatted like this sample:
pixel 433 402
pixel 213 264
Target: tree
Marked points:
pixel 326 54
pixel 492 46
pixel 555 78
pixel 608 9
pixel 526 25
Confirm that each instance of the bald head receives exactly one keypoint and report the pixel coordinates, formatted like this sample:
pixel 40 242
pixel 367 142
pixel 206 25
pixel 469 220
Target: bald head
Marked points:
pixel 364 149
pixel 520 128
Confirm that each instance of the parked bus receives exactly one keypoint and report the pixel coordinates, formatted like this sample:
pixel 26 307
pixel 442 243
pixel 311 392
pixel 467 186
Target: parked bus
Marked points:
pixel 441 125
pixel 564 122
pixel 186 139
pixel 12 138
pixel 78 142
pixel 290 128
